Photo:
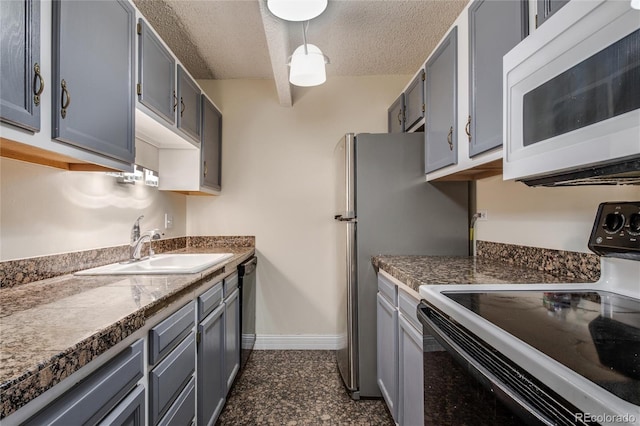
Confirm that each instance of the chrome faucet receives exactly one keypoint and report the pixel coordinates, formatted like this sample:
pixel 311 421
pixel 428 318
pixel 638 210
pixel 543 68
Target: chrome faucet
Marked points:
pixel 137 240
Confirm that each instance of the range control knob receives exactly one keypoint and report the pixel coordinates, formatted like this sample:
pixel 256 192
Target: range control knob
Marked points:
pixel 634 224
pixel 613 223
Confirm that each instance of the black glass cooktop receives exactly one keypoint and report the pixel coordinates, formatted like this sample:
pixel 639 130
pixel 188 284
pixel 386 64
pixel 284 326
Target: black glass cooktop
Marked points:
pixel 596 334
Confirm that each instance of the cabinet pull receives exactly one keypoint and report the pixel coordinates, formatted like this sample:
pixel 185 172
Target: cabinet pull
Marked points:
pixel 467 129
pixel 450 138
pixel 205 169
pixel 37 78
pixel 400 117
pixel 175 101
pixel 182 106
pixel 65 94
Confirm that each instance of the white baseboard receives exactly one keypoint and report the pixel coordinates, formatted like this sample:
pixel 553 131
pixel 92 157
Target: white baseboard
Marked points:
pixel 297 341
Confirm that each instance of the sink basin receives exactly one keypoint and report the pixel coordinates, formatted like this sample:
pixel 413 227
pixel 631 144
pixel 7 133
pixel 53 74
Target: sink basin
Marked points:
pixel 162 264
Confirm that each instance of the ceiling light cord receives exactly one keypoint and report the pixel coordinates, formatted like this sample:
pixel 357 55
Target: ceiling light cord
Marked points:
pixel 305 28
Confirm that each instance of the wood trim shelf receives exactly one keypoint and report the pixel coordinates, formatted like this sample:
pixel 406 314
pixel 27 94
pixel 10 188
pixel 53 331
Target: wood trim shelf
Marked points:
pixel 492 168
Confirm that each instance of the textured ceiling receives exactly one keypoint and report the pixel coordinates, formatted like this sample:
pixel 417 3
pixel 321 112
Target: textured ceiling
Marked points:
pixel 228 39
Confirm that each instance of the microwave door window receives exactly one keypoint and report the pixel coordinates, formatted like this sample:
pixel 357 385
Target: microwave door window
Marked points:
pixel 601 87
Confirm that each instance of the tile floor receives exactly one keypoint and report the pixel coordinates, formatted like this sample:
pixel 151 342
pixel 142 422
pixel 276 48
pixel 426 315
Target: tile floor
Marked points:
pixel 297 388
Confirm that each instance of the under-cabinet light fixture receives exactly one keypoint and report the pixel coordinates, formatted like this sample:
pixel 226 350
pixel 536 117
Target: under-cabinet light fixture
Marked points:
pixel 139 174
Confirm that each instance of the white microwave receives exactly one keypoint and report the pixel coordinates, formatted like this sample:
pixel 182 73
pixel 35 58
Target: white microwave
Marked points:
pixel 572 96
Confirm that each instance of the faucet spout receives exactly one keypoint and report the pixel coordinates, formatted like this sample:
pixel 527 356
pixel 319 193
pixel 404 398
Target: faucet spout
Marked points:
pixel 136 246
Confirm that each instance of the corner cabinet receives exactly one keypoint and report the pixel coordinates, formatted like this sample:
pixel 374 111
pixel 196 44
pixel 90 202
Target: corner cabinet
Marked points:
pixel 211 146
pixel 441 135
pixel 93 75
pixel 486 49
pixel 21 75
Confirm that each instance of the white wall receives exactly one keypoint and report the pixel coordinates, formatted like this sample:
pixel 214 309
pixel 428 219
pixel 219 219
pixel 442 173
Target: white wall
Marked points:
pixel 277 184
pixel 48 211
pixel 555 218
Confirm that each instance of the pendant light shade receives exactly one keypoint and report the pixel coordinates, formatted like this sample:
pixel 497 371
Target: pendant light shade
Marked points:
pixel 307 67
pixel 297 10
pixel 635 4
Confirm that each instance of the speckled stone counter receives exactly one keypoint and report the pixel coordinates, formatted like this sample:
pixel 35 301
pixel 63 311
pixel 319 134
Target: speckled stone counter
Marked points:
pixel 415 271
pixel 51 328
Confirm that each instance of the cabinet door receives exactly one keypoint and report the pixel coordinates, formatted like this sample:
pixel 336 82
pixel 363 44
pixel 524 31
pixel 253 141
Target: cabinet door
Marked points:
pixel 130 412
pixel 21 81
pixel 211 147
pixel 414 101
pixel 546 8
pixel 156 74
pixel 93 97
pixel 231 337
pixel 387 351
pixel 210 381
pixel 441 145
pixel 189 104
pixel 487 47
pixel 395 115
pixel 410 374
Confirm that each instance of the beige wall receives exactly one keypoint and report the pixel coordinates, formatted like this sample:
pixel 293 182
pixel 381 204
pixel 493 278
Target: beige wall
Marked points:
pixel 48 211
pixel 556 218
pixel 277 185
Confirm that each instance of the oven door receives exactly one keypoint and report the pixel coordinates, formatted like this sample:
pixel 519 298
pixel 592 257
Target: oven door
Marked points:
pixel 572 91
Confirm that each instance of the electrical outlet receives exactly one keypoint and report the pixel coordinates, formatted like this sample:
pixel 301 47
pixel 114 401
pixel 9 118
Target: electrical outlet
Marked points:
pixel 168 221
pixel 482 215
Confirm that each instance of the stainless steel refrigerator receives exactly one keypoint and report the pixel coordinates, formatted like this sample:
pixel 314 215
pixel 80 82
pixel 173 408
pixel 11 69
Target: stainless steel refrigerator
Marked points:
pixel 385 206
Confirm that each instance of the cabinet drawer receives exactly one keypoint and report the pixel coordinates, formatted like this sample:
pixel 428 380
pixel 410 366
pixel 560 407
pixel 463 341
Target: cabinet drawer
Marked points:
pixel 167 380
pixel 408 307
pixel 98 394
pixel 166 335
pixel 230 284
pixel 209 300
pixel 183 411
pixel 388 289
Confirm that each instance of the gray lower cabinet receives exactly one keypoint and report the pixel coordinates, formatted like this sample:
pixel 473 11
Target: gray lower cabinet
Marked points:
pixel 93 76
pixel 211 147
pixel 183 410
pixel 395 116
pixel 441 135
pixel 130 412
pixel 486 49
pixel 156 74
pixel 414 104
pixel 210 380
pixel 168 379
pixel 546 8
pixel 387 352
pixel 410 377
pixel 21 79
pixel 189 106
pixel 99 394
pixel 169 333
pixel 231 337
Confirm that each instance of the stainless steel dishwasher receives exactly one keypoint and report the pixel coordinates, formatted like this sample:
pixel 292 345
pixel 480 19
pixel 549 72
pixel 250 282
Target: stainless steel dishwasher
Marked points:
pixel 247 286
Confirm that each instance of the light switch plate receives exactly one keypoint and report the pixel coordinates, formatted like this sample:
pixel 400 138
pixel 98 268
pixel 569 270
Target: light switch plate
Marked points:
pixel 168 221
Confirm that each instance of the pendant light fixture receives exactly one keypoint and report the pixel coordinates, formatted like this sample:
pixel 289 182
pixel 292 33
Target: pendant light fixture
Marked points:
pixel 307 64
pixel 297 10
pixel 635 4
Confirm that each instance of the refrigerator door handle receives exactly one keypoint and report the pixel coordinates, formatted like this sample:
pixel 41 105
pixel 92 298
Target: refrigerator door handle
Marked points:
pixel 341 218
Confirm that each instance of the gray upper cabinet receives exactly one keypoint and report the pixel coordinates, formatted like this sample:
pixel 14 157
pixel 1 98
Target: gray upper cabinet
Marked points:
pixel 546 8
pixel 211 147
pixel 156 74
pixel 93 76
pixel 441 148
pixel 495 27
pixel 414 101
pixel 395 115
pixel 21 80
pixel 189 106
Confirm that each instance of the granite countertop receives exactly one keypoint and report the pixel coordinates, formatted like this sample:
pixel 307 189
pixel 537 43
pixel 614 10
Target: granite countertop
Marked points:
pixel 415 271
pixel 51 328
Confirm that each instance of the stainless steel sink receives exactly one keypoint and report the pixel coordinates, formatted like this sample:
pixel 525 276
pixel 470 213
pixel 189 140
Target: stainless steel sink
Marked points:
pixel 188 263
